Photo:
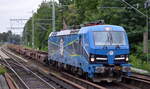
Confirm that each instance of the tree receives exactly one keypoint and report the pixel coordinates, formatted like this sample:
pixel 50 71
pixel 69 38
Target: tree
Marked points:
pixel 76 12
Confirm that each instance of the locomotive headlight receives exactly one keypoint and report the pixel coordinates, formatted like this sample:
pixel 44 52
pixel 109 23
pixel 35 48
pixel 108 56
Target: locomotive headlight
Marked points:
pixel 108 28
pixel 92 59
pixel 127 58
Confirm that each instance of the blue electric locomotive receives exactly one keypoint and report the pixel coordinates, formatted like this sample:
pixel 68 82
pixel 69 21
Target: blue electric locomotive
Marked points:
pixel 99 52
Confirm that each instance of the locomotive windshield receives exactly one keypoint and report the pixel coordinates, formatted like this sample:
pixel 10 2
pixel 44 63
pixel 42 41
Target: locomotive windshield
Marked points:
pixel 109 38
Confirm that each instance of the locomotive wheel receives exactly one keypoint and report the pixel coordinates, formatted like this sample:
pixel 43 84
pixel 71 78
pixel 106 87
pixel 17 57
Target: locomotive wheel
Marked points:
pixel 46 62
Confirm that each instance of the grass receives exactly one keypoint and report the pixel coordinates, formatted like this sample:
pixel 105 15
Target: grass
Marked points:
pixel 2 69
pixel 139 59
pixel 138 63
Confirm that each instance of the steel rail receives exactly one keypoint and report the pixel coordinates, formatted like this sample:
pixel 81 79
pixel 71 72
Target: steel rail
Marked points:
pixel 35 75
pixel 70 83
pixel 9 66
pixel 87 84
pixel 27 69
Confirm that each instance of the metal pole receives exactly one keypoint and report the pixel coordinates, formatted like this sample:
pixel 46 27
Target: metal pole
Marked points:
pixel 33 30
pixel 21 39
pixel 147 5
pixel 62 14
pixel 147 33
pixel 53 16
pixel 145 39
pixel 25 35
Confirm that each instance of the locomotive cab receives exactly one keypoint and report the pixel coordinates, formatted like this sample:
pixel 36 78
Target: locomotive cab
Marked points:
pixel 107 49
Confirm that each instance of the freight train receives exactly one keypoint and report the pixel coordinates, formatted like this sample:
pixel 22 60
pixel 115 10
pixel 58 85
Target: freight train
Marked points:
pixel 29 53
pixel 97 52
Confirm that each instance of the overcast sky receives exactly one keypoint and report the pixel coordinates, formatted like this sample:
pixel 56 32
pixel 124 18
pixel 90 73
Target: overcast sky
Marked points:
pixel 16 9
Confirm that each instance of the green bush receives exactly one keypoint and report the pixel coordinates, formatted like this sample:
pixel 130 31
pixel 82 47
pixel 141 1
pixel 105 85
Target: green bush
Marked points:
pixel 45 49
pixel 2 70
pixel 134 61
pixel 138 63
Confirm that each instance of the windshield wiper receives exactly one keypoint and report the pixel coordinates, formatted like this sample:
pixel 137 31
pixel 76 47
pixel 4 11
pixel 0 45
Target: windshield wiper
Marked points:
pixel 105 45
pixel 111 38
pixel 111 41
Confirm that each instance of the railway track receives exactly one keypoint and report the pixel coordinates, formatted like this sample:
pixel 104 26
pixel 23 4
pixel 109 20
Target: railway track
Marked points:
pixel 133 82
pixel 56 82
pixel 85 83
pixel 114 85
pixel 91 85
pixel 138 80
pixel 26 78
pixel 60 81
pixel 141 76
